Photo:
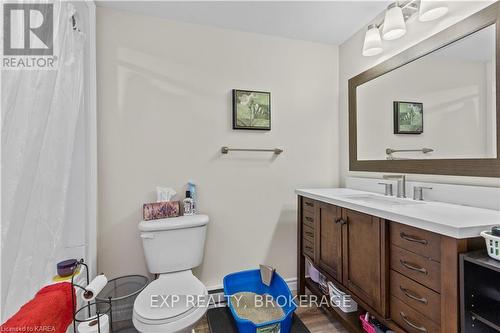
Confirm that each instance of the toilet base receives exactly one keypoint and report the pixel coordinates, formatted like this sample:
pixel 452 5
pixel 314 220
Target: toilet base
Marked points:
pixel 183 325
pixel 151 329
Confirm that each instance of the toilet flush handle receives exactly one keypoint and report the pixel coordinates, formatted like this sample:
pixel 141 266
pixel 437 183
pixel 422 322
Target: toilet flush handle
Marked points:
pixel 147 236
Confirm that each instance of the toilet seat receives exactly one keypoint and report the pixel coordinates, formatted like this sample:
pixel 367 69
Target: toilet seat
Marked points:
pixel 157 303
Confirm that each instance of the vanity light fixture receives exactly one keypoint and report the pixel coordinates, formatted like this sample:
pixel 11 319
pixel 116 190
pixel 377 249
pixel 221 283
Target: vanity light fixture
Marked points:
pixel 373 43
pixel 394 22
pixel 431 10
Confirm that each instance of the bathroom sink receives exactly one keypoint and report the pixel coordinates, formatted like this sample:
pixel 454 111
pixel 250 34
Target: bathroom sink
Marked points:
pixel 377 199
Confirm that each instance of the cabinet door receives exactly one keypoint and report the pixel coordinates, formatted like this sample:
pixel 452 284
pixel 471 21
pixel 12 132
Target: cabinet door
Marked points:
pixel 363 255
pixel 330 240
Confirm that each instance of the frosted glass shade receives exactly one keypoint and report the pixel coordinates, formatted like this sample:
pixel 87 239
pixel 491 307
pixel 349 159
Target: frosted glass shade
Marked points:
pixel 394 23
pixel 373 43
pixel 431 10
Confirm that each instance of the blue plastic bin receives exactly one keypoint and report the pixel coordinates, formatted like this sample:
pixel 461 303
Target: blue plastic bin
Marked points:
pixel 250 281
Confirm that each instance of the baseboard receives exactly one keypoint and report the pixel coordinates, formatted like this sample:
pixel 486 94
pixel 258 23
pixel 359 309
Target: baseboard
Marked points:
pixel 292 284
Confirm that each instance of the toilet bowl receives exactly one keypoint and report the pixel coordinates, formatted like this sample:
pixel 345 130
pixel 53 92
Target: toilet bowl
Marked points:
pixel 177 300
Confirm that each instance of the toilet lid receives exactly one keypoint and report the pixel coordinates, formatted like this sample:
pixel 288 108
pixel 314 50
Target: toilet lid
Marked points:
pixel 170 296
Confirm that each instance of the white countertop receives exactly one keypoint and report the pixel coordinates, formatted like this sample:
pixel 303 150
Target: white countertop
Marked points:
pixel 446 219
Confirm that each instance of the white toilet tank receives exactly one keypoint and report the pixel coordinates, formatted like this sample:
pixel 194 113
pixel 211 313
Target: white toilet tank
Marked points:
pixel 174 244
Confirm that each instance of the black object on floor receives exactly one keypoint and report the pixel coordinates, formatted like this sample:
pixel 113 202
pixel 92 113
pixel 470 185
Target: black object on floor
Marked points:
pixel 124 326
pixel 220 320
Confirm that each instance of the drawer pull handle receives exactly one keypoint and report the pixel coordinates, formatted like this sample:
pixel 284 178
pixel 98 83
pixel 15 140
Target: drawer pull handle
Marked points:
pixel 309 233
pixel 409 323
pixel 310 204
pixel 410 295
pixel 413 268
pixel 310 219
pixel 413 239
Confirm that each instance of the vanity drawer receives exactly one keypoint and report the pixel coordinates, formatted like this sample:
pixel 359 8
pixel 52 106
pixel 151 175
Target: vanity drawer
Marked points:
pixel 308 248
pixel 308 233
pixel 415 295
pixel 425 243
pixel 308 204
pixel 410 320
pixel 308 218
pixel 418 268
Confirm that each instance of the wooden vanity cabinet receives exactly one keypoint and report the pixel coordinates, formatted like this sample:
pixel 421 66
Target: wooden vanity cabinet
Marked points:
pixel 405 276
pixel 347 247
pixel 329 245
pixel 363 257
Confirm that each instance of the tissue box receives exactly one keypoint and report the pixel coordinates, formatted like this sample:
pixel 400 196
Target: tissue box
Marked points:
pixel 160 210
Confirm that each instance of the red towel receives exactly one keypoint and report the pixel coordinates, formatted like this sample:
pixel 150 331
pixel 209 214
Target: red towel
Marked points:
pixel 50 311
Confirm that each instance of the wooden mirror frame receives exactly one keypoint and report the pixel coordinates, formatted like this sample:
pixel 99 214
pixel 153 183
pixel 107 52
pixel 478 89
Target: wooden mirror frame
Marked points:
pixel 478 167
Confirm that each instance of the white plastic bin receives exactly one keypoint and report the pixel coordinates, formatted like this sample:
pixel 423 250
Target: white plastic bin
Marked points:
pixel 313 272
pixel 492 244
pixel 341 300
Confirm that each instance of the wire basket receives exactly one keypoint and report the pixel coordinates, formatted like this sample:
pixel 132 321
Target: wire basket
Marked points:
pixel 122 292
pixel 97 312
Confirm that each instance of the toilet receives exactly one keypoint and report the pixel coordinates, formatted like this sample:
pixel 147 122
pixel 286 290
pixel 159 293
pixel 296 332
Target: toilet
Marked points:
pixel 176 300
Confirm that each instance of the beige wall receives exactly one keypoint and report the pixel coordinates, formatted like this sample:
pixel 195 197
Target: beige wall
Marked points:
pixel 164 111
pixel 352 63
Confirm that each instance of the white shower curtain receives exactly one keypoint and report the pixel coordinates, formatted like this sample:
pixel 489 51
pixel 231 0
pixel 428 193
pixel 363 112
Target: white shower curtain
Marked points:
pixel 39 115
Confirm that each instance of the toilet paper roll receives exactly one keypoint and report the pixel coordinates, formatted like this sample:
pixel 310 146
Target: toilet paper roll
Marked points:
pixel 95 286
pixel 91 325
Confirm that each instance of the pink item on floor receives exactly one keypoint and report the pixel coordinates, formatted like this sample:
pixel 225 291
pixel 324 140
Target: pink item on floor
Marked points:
pixel 367 327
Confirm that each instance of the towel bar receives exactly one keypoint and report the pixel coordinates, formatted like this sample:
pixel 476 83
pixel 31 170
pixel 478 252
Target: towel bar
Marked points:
pixel 389 151
pixel 225 150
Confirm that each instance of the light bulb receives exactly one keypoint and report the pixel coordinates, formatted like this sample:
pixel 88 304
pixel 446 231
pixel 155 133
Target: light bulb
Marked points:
pixel 373 43
pixel 431 10
pixel 394 23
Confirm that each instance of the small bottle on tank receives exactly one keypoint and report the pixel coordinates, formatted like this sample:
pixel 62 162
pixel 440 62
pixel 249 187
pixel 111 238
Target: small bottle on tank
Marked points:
pixel 188 204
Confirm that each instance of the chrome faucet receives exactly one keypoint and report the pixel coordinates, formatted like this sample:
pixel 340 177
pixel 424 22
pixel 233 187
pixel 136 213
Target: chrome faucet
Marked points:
pixel 418 192
pixel 388 188
pixel 401 191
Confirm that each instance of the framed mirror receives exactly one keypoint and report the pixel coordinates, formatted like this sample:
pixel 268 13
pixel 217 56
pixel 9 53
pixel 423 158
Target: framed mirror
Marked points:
pixel 434 108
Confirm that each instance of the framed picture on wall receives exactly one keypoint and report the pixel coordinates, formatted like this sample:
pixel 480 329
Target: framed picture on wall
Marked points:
pixel 251 110
pixel 408 117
